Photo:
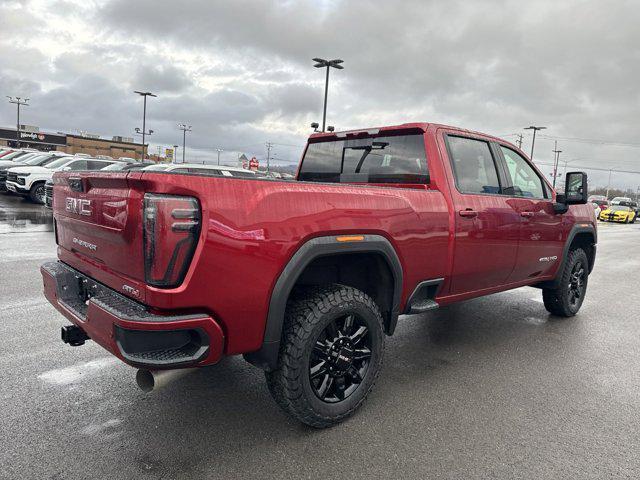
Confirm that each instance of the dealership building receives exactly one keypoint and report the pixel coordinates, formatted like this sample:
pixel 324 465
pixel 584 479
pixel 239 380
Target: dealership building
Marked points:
pixel 93 145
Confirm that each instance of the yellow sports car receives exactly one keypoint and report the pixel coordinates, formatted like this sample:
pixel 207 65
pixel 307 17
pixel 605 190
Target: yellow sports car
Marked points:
pixel 618 213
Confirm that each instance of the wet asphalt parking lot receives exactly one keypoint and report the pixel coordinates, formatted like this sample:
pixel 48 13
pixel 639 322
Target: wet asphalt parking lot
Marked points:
pixel 491 388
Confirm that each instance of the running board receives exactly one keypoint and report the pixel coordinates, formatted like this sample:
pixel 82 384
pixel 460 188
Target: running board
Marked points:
pixel 422 306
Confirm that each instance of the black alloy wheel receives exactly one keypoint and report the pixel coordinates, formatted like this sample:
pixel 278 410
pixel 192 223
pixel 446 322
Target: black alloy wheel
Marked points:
pixel 577 283
pixel 340 359
pixel 330 354
pixel 566 295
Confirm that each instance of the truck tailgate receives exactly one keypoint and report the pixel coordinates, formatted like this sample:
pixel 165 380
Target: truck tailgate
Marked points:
pixel 98 217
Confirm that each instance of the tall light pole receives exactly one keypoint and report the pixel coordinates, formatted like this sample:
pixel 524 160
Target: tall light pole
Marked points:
pixel 556 160
pixel 144 118
pixel 219 150
pixel 533 142
pixel 18 102
pixel 185 128
pixel 322 63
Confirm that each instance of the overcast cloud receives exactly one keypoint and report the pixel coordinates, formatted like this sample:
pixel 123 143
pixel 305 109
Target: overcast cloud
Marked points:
pixel 240 72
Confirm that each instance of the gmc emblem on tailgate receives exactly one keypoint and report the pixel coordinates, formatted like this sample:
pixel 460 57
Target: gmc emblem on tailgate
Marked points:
pixel 79 206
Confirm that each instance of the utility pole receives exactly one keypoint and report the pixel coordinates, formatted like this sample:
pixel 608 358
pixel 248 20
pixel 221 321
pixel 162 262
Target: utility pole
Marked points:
pixel 519 141
pixel 18 102
pixel 322 63
pixel 144 118
pixel 219 150
pixel 608 184
pixel 555 162
pixel 533 142
pixel 269 146
pixel 185 128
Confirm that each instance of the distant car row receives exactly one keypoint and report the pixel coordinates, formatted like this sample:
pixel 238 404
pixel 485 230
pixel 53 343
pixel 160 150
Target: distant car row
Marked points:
pixel 620 209
pixel 29 172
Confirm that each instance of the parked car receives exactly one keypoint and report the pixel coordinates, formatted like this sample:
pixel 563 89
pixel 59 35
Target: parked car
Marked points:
pixel 618 213
pixel 596 209
pixel 199 169
pixel 29 181
pixel 599 200
pixel 306 278
pixel 16 155
pixel 35 160
pixel 621 201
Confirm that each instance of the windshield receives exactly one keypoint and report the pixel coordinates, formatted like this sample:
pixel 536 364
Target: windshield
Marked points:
pixel 37 160
pixel 620 209
pixel 14 155
pixel 60 162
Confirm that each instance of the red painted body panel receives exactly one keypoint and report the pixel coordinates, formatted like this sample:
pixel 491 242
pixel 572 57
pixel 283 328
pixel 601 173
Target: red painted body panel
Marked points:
pixel 252 227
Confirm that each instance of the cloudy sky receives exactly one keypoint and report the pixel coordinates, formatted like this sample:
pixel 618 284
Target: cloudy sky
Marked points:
pixel 240 72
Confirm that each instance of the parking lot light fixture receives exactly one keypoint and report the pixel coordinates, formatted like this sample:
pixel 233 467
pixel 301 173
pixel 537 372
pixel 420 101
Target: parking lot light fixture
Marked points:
pixel 328 64
pixel 18 102
pixel 533 142
pixel 144 119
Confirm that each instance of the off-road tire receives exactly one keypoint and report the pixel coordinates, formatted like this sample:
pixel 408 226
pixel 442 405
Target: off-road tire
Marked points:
pixel 35 192
pixel 557 300
pixel 306 318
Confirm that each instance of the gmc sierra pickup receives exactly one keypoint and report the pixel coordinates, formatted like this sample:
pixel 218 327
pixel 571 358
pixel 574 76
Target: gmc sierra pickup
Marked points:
pixel 169 271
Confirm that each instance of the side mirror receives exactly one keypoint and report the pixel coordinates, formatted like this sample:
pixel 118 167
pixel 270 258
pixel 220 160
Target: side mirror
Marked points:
pixel 575 188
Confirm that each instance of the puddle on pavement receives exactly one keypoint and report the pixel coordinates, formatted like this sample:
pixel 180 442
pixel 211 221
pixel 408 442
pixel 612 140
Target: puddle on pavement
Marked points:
pixel 31 218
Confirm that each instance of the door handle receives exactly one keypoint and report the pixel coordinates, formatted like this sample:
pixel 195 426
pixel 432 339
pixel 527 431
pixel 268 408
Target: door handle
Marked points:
pixel 468 213
pixel 527 214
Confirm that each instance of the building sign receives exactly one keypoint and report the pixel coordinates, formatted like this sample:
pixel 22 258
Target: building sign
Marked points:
pixel 168 154
pixel 253 164
pixel 33 137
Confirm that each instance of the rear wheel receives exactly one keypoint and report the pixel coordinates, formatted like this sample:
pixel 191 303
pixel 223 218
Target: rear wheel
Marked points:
pixel 566 298
pixel 330 356
pixel 37 192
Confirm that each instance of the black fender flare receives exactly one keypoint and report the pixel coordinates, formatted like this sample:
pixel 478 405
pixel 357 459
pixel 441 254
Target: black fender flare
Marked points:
pixel 575 230
pixel 583 228
pixel 267 356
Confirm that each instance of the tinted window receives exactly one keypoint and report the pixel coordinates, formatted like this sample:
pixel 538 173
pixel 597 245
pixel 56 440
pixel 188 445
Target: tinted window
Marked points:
pixel 399 159
pixel 96 164
pixel 473 166
pixel 525 180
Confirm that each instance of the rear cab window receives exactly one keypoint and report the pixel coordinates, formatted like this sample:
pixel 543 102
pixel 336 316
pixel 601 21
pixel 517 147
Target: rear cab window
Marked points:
pixel 380 159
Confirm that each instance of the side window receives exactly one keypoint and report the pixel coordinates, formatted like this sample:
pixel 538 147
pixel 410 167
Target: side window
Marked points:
pixel 473 166
pixel 78 165
pixel 526 182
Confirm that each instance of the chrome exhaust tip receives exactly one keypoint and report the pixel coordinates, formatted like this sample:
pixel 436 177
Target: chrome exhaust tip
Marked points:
pixel 150 380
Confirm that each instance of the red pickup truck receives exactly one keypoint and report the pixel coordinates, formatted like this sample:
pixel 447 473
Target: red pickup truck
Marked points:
pixel 305 278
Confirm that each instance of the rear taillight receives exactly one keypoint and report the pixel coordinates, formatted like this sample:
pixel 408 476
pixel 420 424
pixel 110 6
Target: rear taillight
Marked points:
pixel 171 230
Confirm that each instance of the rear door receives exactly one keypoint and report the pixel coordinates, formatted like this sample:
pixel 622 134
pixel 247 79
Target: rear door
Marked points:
pixel 541 243
pixel 486 226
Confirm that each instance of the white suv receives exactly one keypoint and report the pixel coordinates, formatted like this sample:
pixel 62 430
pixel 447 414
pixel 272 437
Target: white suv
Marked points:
pixel 29 180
